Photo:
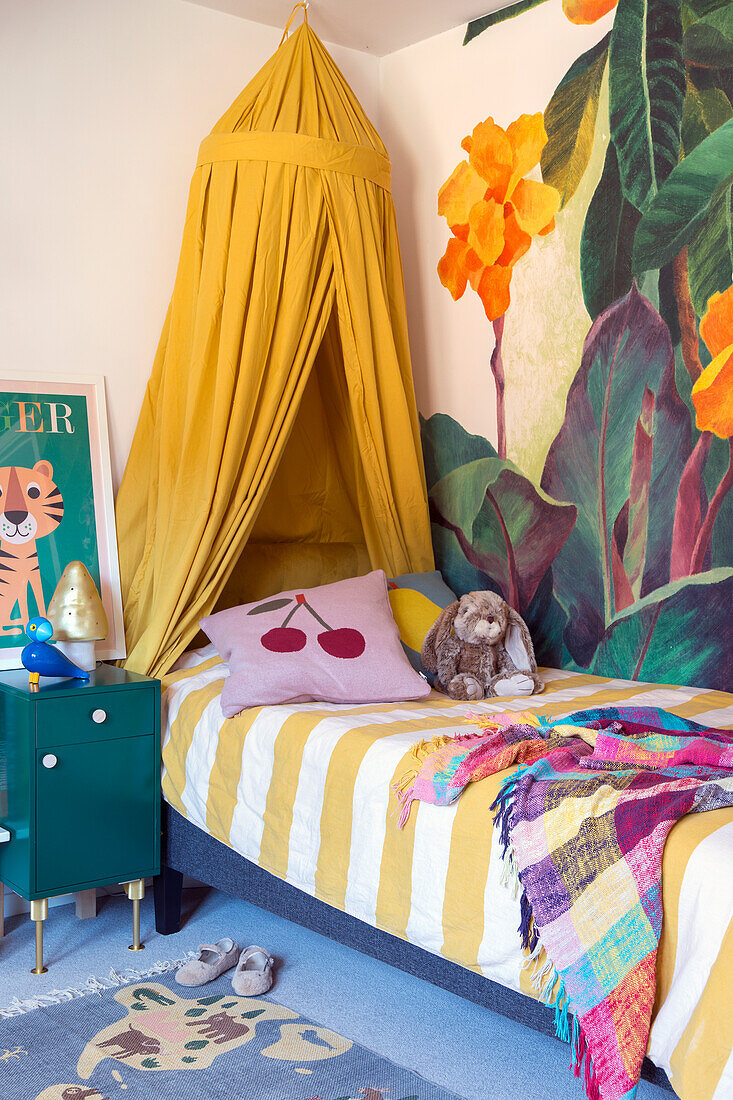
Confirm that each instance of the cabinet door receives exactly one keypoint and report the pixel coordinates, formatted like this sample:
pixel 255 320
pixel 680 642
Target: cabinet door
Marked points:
pixel 95 813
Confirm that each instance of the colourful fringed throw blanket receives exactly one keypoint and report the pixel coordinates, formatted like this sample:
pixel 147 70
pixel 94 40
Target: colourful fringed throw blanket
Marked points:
pixel 583 825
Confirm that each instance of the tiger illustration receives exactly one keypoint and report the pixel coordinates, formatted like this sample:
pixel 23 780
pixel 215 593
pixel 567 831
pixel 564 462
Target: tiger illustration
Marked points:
pixel 31 506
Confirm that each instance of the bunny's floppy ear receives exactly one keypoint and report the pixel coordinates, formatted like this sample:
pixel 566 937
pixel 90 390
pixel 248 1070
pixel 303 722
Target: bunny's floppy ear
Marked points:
pixel 518 643
pixel 436 636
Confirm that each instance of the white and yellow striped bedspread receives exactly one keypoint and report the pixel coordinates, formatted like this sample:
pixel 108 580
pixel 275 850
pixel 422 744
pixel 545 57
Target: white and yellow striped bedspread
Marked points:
pixel 303 790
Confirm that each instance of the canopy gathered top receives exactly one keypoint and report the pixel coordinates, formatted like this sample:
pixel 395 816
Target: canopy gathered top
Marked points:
pixel 278 443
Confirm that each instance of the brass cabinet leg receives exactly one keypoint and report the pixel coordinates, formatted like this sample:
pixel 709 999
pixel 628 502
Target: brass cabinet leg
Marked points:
pixel 39 912
pixel 136 892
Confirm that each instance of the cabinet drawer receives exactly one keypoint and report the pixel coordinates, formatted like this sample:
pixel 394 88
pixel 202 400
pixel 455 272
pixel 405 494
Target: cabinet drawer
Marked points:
pixel 96 716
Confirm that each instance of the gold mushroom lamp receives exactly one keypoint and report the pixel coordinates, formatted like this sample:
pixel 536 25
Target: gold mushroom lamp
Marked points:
pixel 77 615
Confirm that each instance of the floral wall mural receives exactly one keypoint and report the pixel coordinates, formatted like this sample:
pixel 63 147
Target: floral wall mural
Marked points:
pixel 493 213
pixel 620 555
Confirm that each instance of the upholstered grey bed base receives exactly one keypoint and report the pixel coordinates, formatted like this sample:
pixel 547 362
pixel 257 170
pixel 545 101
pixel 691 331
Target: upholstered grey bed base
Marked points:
pixel 189 850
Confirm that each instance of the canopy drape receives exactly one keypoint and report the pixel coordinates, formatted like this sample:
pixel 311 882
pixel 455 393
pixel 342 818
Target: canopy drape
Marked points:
pixel 290 255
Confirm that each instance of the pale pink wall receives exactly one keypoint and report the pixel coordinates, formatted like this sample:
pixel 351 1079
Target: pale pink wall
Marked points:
pixel 431 96
pixel 105 104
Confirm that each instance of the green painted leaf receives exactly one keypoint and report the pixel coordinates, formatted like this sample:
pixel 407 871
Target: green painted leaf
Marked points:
pixel 607 241
pixel 197 1044
pixel 672 444
pixel 710 254
pixel 150 1063
pixel 460 574
pixel 570 121
pixel 708 47
pixel 505 526
pixel 478 26
pixel 685 200
pixel 721 18
pixel 627 352
pixel 705 110
pixel 196 1012
pixel 446 445
pixel 708 43
pixel 210 1000
pixel 647 89
pixel 721 543
pixel 188 1058
pixel 680 633
pixel 547 621
pixel 254 1013
pixel 271 605
pixel 704 7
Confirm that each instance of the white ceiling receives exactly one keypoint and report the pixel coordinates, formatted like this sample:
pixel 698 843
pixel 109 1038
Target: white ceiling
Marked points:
pixel 375 26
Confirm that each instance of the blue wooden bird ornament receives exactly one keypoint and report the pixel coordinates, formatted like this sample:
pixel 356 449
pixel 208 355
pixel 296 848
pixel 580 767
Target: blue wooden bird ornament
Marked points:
pixel 42 659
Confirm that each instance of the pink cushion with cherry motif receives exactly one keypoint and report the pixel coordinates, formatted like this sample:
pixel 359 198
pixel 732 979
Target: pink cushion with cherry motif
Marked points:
pixel 338 643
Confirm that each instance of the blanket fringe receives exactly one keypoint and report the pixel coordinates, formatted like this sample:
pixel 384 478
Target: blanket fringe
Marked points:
pixel 554 994
pixel 577 1046
pixel 403 787
pixel 546 980
pixel 527 930
pixel 509 877
pixel 503 805
pixel 551 991
pixel 419 752
pixel 93 984
pixel 592 1090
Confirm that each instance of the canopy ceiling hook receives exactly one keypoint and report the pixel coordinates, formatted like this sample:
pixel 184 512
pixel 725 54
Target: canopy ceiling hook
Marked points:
pixel 302 6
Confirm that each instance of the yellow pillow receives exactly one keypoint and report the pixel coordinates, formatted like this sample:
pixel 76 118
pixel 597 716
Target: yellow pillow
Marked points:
pixel 416 600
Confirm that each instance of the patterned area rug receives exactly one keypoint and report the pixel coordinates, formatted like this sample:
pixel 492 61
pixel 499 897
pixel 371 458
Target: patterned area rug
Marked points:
pixel 154 1038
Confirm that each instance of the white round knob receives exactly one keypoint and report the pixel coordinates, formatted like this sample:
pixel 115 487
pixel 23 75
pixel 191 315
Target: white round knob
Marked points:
pixel 49 760
pixel 99 716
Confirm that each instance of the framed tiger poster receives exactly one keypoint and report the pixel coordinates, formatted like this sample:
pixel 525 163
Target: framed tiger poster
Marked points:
pixel 56 502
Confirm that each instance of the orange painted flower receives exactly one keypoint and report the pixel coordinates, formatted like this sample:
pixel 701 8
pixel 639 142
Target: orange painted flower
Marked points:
pixel 712 394
pixel 587 11
pixel 493 211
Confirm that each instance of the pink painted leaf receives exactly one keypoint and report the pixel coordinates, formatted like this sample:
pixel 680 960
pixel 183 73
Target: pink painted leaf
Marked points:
pixel 627 354
pixel 634 554
pixel 690 509
pixel 622 593
pixel 506 526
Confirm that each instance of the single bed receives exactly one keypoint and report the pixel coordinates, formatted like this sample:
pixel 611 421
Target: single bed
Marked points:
pixel 303 793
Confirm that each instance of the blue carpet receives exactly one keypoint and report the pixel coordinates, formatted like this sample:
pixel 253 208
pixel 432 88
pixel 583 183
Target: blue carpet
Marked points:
pixel 458 1045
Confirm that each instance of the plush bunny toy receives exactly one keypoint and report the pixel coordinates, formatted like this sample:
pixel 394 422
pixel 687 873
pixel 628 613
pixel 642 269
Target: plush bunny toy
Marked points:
pixel 479 646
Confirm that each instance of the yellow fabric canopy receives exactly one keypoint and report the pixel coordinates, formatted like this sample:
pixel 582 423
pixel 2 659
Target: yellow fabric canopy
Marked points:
pixel 280 415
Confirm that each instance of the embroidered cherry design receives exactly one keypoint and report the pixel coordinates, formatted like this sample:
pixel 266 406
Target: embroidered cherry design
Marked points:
pixel 344 641
pixel 283 639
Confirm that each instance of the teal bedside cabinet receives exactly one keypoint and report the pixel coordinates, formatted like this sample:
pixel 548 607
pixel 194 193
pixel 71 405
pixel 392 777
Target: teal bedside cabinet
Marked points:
pixel 79 787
